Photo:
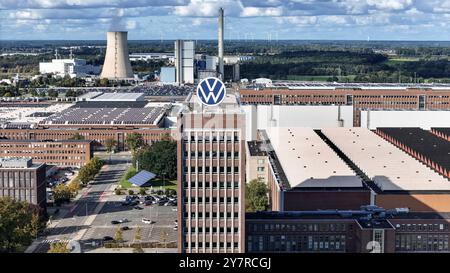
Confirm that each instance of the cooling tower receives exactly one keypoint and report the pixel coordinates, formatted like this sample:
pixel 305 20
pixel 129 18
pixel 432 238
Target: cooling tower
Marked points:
pixel 117 62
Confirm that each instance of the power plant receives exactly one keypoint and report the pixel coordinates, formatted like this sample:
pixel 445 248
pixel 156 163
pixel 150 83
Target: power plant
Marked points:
pixel 220 32
pixel 117 62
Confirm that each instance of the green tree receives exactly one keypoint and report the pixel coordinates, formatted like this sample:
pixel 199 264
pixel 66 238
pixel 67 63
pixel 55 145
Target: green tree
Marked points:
pixel 77 136
pixel 134 141
pixel 110 145
pixel 62 194
pixel 19 224
pixel 160 158
pixel 256 196
pixel 58 247
pixel 118 236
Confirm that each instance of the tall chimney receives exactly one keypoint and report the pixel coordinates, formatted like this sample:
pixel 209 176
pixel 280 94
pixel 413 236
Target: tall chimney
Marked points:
pixel 117 62
pixel 221 69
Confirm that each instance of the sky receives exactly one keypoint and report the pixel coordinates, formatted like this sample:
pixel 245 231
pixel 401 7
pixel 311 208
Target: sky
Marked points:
pixel 244 19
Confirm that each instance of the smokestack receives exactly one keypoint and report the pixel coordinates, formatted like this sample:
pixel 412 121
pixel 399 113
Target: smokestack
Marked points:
pixel 117 62
pixel 221 69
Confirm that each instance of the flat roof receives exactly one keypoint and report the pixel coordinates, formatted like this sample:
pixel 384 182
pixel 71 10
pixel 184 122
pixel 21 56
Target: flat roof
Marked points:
pixel 255 148
pixel 308 161
pixel 366 86
pixel 388 166
pixel 105 116
pixel 423 142
pixel 119 97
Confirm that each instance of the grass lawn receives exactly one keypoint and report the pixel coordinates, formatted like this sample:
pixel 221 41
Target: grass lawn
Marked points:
pixel 156 183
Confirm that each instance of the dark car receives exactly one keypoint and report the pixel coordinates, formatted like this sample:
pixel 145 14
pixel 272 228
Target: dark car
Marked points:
pixel 148 203
pixel 108 238
pixel 125 228
pixel 114 222
pixel 138 208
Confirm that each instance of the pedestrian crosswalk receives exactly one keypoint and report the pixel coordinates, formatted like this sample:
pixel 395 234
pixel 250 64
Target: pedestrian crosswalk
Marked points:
pixel 49 241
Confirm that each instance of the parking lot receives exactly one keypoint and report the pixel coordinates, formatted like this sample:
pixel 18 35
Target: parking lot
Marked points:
pixel 161 230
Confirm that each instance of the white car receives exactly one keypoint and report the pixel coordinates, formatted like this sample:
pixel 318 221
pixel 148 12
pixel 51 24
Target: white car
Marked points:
pixel 147 221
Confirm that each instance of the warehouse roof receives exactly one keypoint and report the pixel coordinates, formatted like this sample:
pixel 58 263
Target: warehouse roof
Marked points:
pixel 119 97
pixel 389 167
pixel 423 142
pixel 363 86
pixel 104 116
pixel 308 161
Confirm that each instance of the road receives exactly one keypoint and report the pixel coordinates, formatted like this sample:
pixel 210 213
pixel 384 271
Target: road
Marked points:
pixel 83 212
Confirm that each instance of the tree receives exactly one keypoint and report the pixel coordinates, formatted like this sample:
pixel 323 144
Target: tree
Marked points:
pixel 160 158
pixel 110 145
pixel 62 194
pixel 77 136
pixel 58 247
pixel 118 236
pixel 19 224
pixel 142 191
pixel 256 196
pixel 134 141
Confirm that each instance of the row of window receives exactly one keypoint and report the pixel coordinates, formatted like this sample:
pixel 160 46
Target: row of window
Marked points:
pixel 422 227
pixel 331 227
pixel 213 169
pixel 213 215
pixel 214 229
pixel 222 185
pixel 421 242
pixel 213 154
pixel 213 244
pixel 213 199
pixel 287 243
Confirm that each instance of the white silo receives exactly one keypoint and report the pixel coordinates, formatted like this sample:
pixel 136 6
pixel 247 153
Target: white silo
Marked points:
pixel 117 62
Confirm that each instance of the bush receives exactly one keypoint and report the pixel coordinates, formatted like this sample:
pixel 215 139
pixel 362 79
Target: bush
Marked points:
pixel 130 192
pixel 142 191
pixel 171 192
pixel 118 191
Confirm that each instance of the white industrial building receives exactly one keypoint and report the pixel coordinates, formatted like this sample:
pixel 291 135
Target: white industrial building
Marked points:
pixel 71 67
pixel 184 61
pixel 167 75
pixel 404 118
pixel 261 117
pixel 308 161
pixel 120 97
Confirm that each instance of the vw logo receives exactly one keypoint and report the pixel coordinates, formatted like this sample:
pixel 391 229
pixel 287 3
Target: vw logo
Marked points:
pixel 211 91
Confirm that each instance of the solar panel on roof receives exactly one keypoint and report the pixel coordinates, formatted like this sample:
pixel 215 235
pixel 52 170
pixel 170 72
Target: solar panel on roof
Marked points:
pixel 142 178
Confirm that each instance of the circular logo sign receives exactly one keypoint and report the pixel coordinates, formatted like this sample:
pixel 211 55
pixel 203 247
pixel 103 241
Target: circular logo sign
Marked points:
pixel 211 91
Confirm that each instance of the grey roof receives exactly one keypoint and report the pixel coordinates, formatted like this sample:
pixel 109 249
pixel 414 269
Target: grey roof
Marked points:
pixel 105 116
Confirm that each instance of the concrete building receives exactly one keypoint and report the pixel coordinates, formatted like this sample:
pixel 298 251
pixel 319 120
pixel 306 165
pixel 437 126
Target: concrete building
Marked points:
pixel 68 67
pixel 256 162
pixel 184 61
pixel 167 75
pixel 23 180
pixel 117 64
pixel 361 97
pixel 358 231
pixel 211 175
pixel 73 153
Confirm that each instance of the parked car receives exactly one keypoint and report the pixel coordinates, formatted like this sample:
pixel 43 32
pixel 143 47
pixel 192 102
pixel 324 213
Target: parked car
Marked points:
pixel 108 238
pixel 147 221
pixel 148 203
pixel 123 220
pixel 115 222
pixel 125 228
pixel 138 208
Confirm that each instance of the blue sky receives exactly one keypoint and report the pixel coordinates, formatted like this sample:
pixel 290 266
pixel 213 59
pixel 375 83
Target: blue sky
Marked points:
pixel 245 19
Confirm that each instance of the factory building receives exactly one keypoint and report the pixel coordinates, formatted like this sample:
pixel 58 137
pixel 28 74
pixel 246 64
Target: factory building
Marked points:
pixel 96 121
pixel 442 132
pixel 426 147
pixel 68 67
pixel 184 61
pixel 117 64
pixel 211 178
pixel 167 75
pixel 72 153
pixel 361 97
pixel 369 229
pixel 23 180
